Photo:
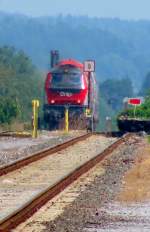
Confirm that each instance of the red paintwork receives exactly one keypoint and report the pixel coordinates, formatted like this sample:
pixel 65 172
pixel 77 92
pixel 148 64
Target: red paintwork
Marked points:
pixel 63 100
pixel 134 101
pixel 71 62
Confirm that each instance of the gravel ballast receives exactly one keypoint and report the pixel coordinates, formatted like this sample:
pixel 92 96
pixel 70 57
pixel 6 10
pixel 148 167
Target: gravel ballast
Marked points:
pixel 13 149
pixel 20 186
pixel 83 213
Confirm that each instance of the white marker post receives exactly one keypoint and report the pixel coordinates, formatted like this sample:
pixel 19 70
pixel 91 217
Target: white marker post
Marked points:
pixel 89 67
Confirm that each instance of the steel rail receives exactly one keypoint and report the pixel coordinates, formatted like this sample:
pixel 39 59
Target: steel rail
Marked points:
pixel 30 159
pixel 15 134
pixel 35 204
pixel 2 133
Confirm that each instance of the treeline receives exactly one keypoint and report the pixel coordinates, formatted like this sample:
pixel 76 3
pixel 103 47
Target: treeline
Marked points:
pixel 20 82
pixel 114 91
pixel 112 94
pixel 121 48
pixel 143 110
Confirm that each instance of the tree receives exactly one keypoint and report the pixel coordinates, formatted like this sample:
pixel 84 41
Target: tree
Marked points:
pixel 20 82
pixel 146 85
pixel 113 91
pixel 9 109
pixel 142 111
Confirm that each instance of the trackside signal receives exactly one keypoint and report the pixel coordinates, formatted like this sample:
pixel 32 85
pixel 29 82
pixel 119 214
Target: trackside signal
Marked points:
pixel 89 66
pixel 134 101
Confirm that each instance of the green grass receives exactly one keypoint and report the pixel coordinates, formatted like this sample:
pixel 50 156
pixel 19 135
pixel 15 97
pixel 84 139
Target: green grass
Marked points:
pixel 148 138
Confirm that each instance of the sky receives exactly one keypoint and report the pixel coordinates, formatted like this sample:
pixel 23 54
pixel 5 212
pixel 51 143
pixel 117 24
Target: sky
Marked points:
pixel 124 9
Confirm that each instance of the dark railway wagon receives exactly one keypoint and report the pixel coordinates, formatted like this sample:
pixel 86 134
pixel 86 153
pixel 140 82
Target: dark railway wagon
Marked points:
pixel 133 125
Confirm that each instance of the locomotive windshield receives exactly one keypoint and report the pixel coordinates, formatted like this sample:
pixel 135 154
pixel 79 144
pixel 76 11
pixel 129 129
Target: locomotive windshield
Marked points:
pixel 66 77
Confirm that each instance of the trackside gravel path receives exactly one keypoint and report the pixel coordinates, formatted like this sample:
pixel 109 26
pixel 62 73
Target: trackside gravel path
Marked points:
pixel 22 185
pixel 83 206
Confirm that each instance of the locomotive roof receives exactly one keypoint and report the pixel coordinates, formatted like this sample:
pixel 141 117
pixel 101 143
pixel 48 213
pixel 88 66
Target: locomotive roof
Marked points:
pixel 71 62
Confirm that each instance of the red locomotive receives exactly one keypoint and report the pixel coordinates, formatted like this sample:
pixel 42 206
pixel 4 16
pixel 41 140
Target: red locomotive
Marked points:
pixel 67 85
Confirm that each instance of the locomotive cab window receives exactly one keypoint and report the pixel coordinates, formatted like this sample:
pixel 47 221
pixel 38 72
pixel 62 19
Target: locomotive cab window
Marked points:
pixel 66 77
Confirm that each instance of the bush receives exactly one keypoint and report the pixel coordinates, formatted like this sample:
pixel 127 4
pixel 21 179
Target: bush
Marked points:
pixel 142 111
pixel 8 109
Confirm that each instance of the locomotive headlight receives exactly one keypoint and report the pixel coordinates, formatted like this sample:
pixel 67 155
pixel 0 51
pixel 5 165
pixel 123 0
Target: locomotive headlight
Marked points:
pixel 52 101
pixel 78 101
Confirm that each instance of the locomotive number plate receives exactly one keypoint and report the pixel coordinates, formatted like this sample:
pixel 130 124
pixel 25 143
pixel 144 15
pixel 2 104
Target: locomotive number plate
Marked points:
pixel 65 94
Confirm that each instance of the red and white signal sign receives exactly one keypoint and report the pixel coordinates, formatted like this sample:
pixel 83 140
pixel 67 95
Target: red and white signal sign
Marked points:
pixel 89 66
pixel 134 101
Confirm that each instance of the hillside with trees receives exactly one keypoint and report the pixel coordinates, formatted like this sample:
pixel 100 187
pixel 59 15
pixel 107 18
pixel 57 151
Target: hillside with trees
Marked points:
pixel 145 88
pixel 120 48
pixel 20 82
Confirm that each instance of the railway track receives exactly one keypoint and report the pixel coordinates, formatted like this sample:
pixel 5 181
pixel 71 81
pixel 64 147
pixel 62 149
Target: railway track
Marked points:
pixel 3 133
pixel 25 161
pixel 29 207
pixel 15 134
